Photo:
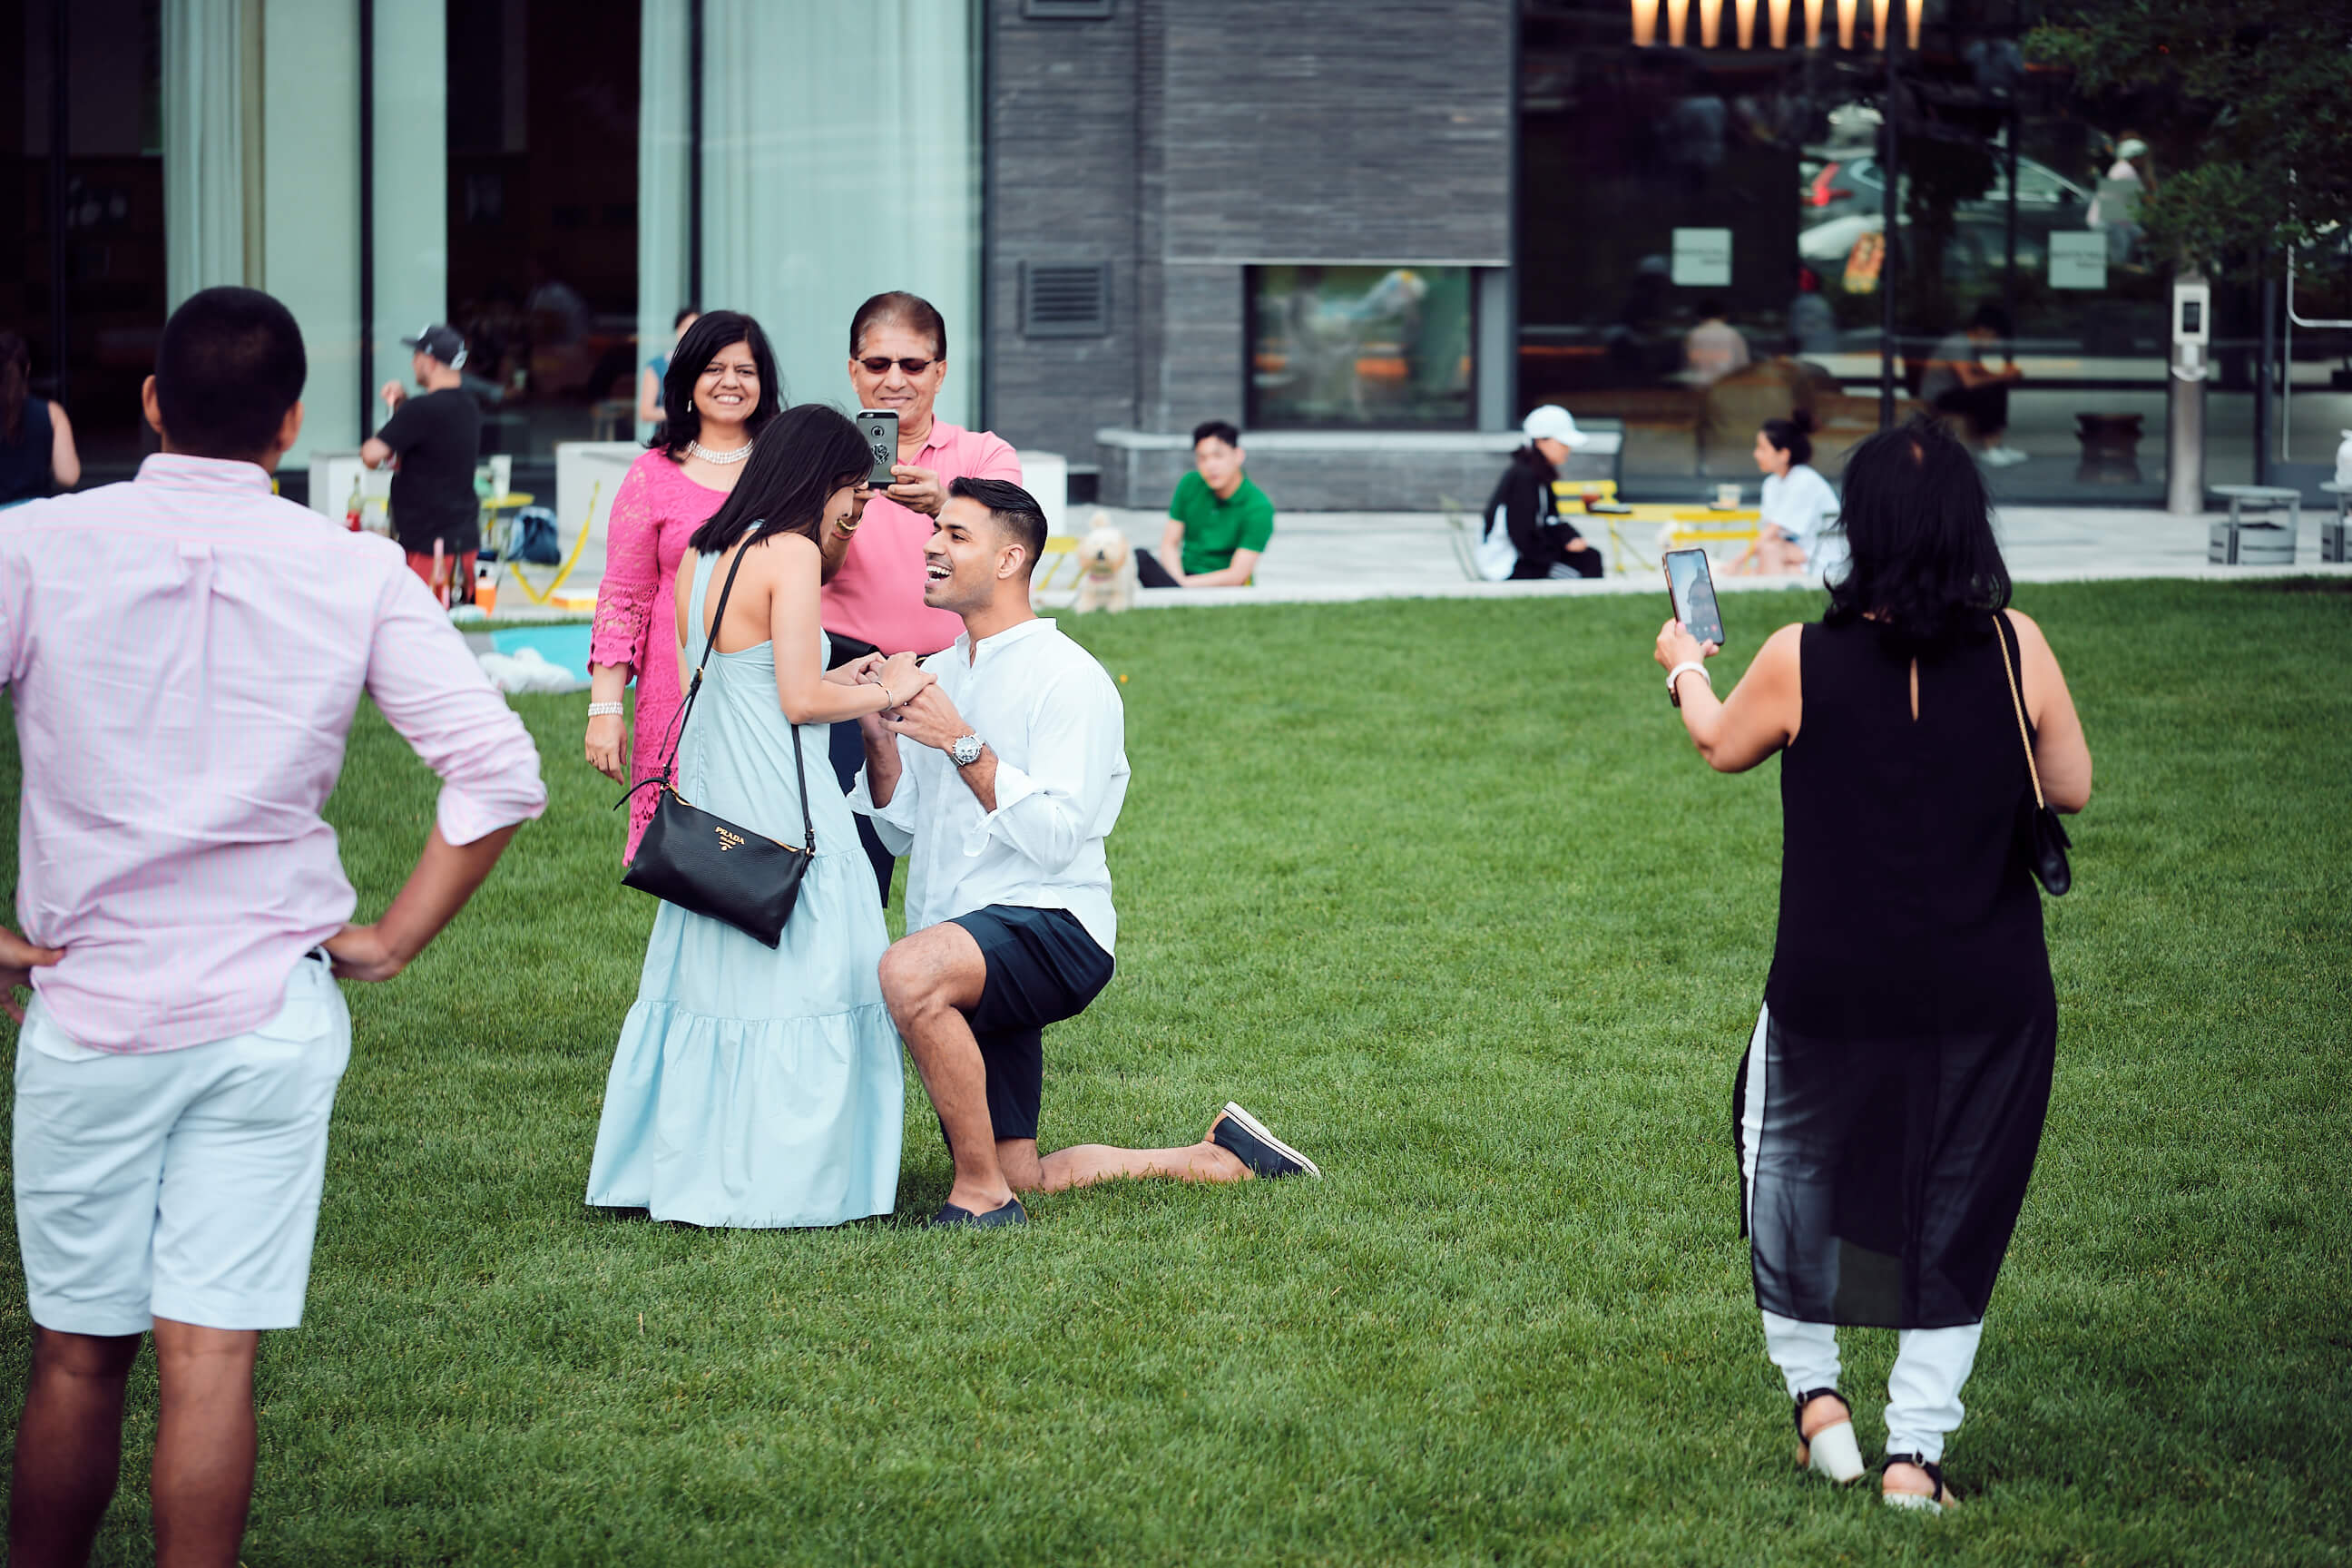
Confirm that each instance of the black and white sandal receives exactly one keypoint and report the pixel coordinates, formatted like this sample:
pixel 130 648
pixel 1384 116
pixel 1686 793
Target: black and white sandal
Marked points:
pixel 1919 1502
pixel 1832 1451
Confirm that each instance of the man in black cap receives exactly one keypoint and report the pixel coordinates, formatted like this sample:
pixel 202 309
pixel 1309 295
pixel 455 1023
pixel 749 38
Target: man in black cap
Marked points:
pixel 432 440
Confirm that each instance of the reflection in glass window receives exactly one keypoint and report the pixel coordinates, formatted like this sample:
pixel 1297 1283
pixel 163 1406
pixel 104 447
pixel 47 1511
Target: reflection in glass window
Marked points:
pixel 1383 346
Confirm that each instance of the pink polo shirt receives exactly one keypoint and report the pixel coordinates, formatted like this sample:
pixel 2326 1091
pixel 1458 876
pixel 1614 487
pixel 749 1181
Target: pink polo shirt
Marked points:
pixel 877 594
pixel 185 653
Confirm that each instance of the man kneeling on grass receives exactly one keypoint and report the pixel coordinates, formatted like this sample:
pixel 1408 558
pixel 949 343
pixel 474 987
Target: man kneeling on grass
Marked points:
pixel 1000 784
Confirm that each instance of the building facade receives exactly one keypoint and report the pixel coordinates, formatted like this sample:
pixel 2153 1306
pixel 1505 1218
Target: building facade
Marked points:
pixel 1371 234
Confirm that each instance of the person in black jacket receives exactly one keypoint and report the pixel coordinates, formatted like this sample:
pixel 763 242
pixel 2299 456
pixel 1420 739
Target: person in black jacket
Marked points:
pixel 1522 535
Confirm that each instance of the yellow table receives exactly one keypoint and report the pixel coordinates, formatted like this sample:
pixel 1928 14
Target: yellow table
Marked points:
pixel 1693 521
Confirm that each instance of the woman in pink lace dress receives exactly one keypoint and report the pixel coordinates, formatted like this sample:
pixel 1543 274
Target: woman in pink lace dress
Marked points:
pixel 721 389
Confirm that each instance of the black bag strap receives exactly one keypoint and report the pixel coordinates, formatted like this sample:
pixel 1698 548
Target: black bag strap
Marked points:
pixel 669 775
pixel 2002 633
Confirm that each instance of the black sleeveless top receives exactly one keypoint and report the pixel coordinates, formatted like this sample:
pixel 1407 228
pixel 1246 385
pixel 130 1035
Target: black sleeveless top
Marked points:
pixel 25 462
pixel 1907 908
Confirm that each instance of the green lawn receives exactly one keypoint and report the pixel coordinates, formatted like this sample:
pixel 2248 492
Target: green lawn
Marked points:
pixel 1413 881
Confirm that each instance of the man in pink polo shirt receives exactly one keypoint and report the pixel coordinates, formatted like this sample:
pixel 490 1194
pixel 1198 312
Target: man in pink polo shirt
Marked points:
pixel 898 359
pixel 185 653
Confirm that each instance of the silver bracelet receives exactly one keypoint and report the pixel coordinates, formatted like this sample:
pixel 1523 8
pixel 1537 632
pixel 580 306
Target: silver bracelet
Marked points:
pixel 889 702
pixel 602 709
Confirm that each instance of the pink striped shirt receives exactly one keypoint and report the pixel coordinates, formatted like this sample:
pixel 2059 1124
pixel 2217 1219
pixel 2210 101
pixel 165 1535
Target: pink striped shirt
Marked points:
pixel 185 653
pixel 877 594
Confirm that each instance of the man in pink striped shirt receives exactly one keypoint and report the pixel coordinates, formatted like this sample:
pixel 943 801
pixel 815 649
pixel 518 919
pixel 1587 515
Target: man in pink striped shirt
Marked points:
pixel 186 653
pixel 898 360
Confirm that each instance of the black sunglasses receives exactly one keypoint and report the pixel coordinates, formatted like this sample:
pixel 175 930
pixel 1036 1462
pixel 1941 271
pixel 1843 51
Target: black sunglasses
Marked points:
pixel 876 364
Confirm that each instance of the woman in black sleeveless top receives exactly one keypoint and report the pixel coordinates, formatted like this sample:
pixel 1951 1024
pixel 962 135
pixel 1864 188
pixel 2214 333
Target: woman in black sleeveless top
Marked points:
pixel 1891 1100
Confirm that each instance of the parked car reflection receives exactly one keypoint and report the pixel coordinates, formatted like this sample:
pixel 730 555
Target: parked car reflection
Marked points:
pixel 1842 197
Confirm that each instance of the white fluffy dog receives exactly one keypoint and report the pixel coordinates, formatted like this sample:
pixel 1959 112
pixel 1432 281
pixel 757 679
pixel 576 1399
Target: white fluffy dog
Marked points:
pixel 1106 567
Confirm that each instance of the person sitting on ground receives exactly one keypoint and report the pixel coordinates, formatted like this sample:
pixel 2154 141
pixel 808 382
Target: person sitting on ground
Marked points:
pixel 1000 783
pixel 1523 536
pixel 1958 382
pixel 184 903
pixel 1799 506
pixel 1715 348
pixel 1219 524
pixel 37 444
pixel 433 439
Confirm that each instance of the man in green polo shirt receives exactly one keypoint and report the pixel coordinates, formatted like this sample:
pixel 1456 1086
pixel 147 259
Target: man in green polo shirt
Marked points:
pixel 1218 523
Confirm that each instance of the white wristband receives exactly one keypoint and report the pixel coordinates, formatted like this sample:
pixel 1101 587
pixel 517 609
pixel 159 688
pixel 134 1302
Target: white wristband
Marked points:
pixel 1674 678
pixel 599 709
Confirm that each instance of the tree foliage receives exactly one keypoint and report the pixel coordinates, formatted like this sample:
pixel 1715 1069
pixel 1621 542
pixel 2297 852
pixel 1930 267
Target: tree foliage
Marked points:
pixel 2247 105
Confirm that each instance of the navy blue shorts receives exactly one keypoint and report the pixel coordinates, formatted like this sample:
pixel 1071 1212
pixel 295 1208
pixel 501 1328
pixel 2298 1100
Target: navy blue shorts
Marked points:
pixel 1043 967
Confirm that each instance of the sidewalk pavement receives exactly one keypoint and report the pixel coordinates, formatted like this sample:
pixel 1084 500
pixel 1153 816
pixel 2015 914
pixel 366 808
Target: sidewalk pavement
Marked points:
pixel 1338 557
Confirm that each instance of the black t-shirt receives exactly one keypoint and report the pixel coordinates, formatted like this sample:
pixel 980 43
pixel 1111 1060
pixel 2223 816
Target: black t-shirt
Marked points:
pixel 438 436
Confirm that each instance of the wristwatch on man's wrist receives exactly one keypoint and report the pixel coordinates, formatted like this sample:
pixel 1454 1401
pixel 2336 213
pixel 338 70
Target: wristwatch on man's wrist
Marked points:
pixel 965 749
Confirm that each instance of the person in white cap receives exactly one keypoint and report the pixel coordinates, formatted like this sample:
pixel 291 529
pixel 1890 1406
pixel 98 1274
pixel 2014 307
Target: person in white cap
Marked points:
pixel 2116 208
pixel 1522 535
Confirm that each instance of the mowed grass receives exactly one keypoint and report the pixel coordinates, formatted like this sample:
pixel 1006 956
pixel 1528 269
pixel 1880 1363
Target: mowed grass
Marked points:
pixel 1441 892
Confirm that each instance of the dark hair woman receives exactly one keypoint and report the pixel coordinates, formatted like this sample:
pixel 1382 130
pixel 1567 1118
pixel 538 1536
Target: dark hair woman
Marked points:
pixel 1890 1104
pixel 719 391
pixel 37 444
pixel 755 1086
pixel 1797 530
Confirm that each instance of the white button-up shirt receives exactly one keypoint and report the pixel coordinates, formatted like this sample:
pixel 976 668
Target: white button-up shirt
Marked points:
pixel 1059 732
pixel 185 652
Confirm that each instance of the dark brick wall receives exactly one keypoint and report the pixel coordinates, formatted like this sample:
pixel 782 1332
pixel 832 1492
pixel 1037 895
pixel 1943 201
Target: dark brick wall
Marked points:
pixel 1339 130
pixel 1062 144
pixel 1180 140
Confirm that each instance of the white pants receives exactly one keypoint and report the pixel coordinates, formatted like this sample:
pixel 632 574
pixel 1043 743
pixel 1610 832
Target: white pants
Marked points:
pixel 1922 1391
pixel 181 1183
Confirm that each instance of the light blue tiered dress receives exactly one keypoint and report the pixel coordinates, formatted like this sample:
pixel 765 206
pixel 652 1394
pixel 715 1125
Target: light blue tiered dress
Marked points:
pixel 757 1088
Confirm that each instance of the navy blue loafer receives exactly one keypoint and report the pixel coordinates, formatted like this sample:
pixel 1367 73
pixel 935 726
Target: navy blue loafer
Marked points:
pixel 1245 1138
pixel 951 1215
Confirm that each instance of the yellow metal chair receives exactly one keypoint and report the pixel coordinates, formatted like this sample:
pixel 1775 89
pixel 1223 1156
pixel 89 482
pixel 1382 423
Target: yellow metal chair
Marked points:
pixel 1061 549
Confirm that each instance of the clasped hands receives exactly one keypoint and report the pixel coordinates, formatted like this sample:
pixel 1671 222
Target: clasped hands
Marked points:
pixel 923 713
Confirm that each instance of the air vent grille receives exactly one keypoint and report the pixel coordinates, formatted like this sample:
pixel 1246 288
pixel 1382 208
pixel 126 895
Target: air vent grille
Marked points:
pixel 1063 300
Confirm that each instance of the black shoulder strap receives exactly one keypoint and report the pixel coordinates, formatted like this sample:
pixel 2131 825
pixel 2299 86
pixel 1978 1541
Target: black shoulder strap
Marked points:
pixel 666 778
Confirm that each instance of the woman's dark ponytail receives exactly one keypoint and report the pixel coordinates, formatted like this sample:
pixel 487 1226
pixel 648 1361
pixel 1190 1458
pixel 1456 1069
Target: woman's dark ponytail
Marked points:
pixel 1793 436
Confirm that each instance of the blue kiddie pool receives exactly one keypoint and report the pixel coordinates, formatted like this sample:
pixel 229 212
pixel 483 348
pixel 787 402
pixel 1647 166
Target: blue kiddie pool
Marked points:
pixel 565 647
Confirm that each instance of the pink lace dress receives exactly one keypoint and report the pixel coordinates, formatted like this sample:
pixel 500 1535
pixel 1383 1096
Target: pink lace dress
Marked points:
pixel 655 511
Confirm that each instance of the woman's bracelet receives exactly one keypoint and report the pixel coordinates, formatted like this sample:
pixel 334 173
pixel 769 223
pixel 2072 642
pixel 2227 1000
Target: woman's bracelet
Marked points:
pixel 1675 676
pixel 603 709
pixel 889 702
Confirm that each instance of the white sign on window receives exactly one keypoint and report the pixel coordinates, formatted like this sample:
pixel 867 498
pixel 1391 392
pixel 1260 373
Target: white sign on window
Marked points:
pixel 1702 257
pixel 2078 258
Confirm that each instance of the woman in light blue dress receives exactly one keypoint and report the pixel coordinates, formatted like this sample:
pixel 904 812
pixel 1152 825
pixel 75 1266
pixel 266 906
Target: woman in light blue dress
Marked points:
pixel 757 1086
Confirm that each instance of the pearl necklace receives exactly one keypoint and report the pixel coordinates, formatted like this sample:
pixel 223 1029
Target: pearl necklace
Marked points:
pixel 721 459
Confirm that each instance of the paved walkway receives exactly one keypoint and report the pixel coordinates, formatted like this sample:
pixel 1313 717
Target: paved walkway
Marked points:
pixel 1334 557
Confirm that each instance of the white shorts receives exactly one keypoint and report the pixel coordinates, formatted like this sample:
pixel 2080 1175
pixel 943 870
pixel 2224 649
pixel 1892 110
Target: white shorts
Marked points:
pixel 180 1184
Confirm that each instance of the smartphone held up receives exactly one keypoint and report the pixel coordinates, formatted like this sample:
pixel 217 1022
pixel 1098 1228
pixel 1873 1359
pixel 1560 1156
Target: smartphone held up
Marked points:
pixel 1690 588
pixel 879 428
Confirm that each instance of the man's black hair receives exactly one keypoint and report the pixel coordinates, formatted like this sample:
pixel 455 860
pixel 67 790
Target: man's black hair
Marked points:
pixel 1221 429
pixel 229 367
pixel 1015 510
pixel 898 308
pixel 1990 317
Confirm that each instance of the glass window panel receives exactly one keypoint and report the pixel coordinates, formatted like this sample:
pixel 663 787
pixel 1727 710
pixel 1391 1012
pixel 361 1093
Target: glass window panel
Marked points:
pixel 1374 346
